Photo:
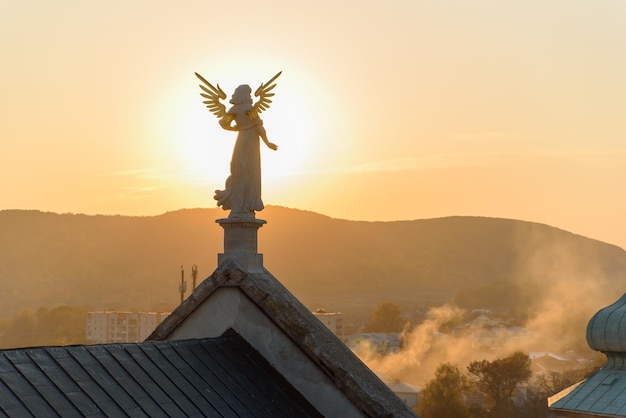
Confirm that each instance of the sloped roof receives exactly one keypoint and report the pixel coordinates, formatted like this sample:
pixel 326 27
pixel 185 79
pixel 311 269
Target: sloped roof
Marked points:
pixel 203 377
pixel 346 372
pixel 602 394
pixel 550 362
pixel 399 386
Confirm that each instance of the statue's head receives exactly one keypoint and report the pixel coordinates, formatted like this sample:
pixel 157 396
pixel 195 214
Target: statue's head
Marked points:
pixel 242 95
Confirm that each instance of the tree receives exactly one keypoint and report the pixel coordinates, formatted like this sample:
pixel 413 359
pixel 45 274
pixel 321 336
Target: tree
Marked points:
pixel 386 317
pixel 60 325
pixel 22 331
pixel 499 378
pixel 443 396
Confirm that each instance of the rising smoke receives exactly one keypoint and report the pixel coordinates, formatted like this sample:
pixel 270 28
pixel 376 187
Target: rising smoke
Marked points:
pixel 571 288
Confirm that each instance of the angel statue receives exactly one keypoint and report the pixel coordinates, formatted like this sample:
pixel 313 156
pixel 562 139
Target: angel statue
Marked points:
pixel 242 194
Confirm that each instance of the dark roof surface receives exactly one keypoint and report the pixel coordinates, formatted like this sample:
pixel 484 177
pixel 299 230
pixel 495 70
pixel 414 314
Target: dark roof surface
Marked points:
pixel 350 375
pixel 217 377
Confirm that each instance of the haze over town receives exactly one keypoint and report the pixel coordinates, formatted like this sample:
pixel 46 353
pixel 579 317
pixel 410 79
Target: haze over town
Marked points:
pixel 419 109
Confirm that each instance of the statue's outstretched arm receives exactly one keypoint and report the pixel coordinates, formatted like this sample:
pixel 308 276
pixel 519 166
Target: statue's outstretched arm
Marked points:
pixel 260 130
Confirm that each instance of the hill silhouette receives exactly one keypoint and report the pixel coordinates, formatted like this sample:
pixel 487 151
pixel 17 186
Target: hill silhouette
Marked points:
pixel 122 262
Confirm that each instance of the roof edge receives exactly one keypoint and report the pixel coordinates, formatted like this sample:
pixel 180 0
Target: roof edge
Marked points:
pixel 321 346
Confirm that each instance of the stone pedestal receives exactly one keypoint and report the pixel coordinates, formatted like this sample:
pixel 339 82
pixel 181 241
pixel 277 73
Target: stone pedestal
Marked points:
pixel 240 242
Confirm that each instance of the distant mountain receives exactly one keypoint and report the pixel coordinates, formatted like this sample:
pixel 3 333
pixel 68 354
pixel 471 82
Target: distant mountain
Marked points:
pixel 121 262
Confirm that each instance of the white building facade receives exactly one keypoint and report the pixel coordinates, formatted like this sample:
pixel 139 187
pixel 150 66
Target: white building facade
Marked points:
pixel 121 327
pixel 332 320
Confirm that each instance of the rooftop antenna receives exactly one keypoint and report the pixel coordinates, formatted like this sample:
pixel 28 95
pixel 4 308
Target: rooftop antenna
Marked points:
pixel 183 284
pixel 194 275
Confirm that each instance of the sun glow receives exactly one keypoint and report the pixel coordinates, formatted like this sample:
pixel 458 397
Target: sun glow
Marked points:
pixel 192 152
pixel 205 149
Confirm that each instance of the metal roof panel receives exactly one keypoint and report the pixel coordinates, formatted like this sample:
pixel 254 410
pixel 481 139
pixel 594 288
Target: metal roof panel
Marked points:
pixel 203 377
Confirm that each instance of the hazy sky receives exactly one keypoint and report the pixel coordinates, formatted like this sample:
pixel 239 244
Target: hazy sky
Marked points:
pixel 385 110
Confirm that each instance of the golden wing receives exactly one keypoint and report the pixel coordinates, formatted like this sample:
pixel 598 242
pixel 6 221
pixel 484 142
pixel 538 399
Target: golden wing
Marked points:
pixel 213 96
pixel 263 93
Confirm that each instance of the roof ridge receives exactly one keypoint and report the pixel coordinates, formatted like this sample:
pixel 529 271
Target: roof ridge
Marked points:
pixel 314 339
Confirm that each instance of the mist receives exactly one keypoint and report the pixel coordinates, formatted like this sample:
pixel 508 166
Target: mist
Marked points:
pixel 571 290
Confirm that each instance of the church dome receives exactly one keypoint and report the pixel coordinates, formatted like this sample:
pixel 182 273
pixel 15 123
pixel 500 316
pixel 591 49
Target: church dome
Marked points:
pixel 606 330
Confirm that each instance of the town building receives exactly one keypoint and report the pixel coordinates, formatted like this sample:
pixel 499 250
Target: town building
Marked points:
pixel 121 327
pixel 377 342
pixel 408 393
pixel 546 363
pixel 332 320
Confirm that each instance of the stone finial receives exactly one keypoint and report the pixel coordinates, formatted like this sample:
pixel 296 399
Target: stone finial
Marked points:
pixel 240 242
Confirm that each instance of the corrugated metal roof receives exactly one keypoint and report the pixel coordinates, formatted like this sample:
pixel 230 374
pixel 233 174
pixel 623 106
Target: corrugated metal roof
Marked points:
pixel 603 394
pixel 220 377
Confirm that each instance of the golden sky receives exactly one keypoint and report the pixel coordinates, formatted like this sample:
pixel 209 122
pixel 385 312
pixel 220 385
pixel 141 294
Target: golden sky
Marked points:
pixel 386 110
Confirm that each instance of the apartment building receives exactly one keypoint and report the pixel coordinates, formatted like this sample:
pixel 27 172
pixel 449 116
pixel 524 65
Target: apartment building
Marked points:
pixel 121 327
pixel 332 320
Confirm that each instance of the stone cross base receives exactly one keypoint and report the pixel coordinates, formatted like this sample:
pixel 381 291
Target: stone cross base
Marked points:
pixel 240 242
